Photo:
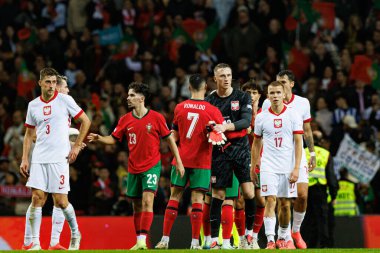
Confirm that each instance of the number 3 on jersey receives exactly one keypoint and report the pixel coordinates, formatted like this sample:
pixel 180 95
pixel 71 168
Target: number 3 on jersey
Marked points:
pixel 194 119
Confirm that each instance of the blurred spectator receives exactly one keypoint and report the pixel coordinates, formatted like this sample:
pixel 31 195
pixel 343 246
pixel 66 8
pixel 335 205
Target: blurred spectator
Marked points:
pixel 323 116
pixel 104 193
pixel 179 85
pixel 372 113
pixel 243 38
pixel 342 109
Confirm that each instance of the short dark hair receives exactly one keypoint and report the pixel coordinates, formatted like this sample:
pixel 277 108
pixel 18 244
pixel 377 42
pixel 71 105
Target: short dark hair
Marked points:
pixel 48 72
pixel 221 66
pixel 60 79
pixel 140 88
pixel 276 83
pixel 252 85
pixel 196 81
pixel 288 73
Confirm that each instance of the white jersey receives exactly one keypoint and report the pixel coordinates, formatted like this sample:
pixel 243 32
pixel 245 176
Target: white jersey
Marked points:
pixel 302 106
pixel 52 120
pixel 277 131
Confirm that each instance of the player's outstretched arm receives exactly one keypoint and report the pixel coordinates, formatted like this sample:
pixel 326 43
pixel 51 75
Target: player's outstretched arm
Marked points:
pixel 310 144
pixel 298 155
pixel 83 130
pixel 173 147
pixel 108 140
pixel 28 139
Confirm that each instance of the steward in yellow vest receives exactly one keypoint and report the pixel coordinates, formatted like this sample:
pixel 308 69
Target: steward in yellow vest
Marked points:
pixel 315 228
pixel 345 202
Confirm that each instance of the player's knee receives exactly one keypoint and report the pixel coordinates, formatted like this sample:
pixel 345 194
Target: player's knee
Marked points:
pixel 285 206
pixel 302 197
pixel 38 200
pixel 61 204
pixel 176 194
pixel 147 204
pixel 270 202
pixel 249 194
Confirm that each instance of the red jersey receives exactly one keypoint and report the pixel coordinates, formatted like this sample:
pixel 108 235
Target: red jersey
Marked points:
pixel 143 136
pixel 190 120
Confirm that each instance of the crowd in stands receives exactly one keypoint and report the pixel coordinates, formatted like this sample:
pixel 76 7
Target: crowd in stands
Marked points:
pixel 103 45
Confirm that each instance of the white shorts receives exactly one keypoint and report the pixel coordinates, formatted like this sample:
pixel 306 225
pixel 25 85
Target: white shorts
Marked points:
pixel 303 176
pixel 49 177
pixel 274 184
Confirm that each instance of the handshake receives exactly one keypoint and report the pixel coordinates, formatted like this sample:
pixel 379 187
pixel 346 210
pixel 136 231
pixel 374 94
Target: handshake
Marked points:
pixel 214 137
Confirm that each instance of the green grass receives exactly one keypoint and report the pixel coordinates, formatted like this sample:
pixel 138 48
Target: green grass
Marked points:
pixel 230 251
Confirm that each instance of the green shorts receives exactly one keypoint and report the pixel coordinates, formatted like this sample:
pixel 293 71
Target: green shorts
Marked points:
pixel 233 191
pixel 199 179
pixel 146 181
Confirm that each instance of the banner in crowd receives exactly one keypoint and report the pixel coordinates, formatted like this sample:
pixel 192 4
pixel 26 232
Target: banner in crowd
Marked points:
pixel 110 36
pixel 362 164
pixel 18 191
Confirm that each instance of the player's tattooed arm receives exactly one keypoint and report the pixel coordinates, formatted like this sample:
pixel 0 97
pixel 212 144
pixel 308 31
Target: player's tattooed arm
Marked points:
pixel 308 135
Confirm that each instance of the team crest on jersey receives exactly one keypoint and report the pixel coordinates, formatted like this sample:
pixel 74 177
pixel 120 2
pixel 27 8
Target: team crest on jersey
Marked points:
pixel 47 110
pixel 213 179
pixel 235 106
pixel 277 123
pixel 148 127
pixel 264 188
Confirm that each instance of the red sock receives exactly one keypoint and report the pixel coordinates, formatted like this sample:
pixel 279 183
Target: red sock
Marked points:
pixel 240 221
pixel 196 220
pixel 259 218
pixel 171 213
pixel 136 221
pixel 227 221
pixel 206 219
pixel 146 222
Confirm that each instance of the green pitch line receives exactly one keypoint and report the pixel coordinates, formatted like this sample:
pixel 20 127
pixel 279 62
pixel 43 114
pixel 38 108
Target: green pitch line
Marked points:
pixel 226 251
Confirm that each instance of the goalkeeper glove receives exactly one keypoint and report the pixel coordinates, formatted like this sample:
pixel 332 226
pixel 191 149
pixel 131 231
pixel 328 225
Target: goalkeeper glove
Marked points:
pixel 217 138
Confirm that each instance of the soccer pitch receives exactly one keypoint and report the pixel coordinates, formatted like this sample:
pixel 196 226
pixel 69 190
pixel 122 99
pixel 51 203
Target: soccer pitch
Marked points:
pixel 226 251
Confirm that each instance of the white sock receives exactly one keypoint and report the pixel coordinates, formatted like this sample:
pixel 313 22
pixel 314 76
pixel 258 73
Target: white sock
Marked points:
pixel 288 233
pixel 215 239
pixel 270 226
pixel 208 239
pixel 255 236
pixel 141 238
pixel 28 228
pixel 282 232
pixel 69 214
pixel 241 237
pixel 195 242
pixel 165 239
pixel 58 220
pixel 35 218
pixel 226 242
pixel 248 232
pixel 297 220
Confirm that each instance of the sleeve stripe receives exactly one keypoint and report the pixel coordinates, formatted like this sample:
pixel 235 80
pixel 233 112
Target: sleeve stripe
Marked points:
pixel 115 137
pixel 28 126
pixel 257 136
pixel 79 114
pixel 298 132
pixel 166 136
pixel 307 120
